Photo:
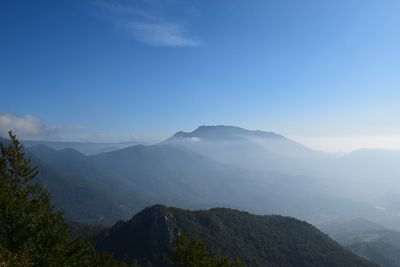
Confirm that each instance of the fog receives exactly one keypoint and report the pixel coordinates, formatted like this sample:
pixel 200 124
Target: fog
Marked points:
pixel 261 172
pixel 367 177
pixel 346 144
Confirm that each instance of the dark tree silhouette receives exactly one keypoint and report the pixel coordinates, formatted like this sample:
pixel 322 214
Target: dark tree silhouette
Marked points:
pixel 31 232
pixel 194 253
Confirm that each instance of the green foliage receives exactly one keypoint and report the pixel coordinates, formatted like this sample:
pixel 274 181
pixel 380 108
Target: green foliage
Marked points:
pixel 257 240
pixel 190 252
pixel 263 240
pixel 31 233
pixel 194 253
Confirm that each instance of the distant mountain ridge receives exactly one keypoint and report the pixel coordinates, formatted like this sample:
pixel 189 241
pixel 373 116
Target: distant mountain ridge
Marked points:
pixel 256 150
pixel 223 132
pixel 80 188
pixel 260 241
pixel 86 148
pixel 190 174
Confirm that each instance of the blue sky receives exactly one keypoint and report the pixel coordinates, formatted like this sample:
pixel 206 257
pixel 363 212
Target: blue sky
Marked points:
pixel 116 70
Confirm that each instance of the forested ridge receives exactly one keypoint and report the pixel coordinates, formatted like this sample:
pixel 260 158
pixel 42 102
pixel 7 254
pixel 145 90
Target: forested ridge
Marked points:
pixel 257 240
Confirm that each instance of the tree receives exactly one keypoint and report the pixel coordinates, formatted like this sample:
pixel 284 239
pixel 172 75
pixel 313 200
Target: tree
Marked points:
pixel 31 233
pixel 194 253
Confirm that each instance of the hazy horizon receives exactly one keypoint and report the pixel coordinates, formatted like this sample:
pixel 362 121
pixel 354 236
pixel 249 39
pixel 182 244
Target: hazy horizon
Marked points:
pixel 330 144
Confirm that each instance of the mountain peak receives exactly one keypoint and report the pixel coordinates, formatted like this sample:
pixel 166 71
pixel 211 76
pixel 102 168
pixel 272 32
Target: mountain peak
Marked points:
pixel 224 132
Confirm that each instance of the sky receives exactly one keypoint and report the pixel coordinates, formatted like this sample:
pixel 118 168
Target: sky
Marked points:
pixel 325 73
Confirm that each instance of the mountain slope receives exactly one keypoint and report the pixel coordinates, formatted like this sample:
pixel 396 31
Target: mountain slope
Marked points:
pixel 367 239
pixel 255 150
pixel 110 186
pixel 174 175
pixel 170 173
pixel 81 190
pixel 257 240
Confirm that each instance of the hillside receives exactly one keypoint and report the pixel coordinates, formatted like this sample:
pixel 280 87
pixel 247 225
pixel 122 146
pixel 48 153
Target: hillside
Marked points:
pixel 106 187
pixel 257 240
pixel 82 191
pixel 367 239
pixel 127 180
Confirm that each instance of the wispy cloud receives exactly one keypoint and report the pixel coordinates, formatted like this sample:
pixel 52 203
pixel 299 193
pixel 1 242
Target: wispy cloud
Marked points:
pixel 146 26
pixel 162 34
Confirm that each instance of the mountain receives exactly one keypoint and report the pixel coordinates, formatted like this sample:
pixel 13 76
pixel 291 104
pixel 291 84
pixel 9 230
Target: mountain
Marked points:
pixel 256 150
pixel 82 191
pixel 86 148
pixel 257 240
pixel 170 172
pixel 261 172
pixel 367 239
pixel 366 175
pixel 103 188
pixel 225 133
pixel 174 175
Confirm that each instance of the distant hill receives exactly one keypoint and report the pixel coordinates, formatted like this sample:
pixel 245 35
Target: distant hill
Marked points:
pixel 369 240
pixel 84 193
pixel 257 240
pixel 103 188
pixel 86 148
pixel 174 175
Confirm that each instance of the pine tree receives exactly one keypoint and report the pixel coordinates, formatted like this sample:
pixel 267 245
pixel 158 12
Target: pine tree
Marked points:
pixel 31 232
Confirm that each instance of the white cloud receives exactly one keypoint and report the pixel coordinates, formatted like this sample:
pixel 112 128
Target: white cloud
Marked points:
pixel 195 139
pixel 147 26
pixel 161 34
pixel 24 126
pixel 31 127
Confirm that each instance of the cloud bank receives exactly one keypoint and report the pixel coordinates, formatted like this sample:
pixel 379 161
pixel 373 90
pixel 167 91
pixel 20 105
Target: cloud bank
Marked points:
pixel 29 127
pixel 26 126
